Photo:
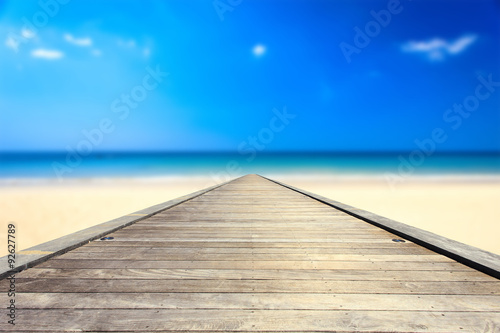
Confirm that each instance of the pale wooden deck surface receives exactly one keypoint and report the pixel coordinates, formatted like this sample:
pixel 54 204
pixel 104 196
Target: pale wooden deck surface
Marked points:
pixel 254 256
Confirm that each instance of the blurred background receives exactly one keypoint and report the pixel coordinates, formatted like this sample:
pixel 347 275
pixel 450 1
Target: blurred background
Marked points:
pixel 391 106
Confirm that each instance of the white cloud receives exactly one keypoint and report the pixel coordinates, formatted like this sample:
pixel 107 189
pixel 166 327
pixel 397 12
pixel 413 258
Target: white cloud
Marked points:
pixel 12 43
pixel 47 54
pixel 27 33
pixel 438 48
pixel 461 44
pixel 259 50
pixel 13 40
pixel 78 41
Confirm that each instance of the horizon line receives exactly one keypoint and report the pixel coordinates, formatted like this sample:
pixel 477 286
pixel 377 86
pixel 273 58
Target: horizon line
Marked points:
pixel 269 152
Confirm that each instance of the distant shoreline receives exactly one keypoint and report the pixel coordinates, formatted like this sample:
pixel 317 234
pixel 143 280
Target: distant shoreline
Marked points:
pixel 158 180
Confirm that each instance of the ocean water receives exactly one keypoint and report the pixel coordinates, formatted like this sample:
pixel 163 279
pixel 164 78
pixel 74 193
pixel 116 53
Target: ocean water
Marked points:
pixel 224 165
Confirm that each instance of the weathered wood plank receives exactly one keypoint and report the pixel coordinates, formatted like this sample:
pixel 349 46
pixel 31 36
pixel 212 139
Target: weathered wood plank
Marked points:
pixel 165 255
pixel 166 226
pixel 249 264
pixel 258 286
pixel 263 234
pixel 243 235
pixel 253 320
pixel 210 229
pixel 152 250
pixel 260 274
pixel 183 243
pixel 281 301
pixel 155 238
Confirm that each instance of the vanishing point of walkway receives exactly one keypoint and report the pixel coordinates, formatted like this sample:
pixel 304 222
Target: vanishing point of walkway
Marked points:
pixel 253 255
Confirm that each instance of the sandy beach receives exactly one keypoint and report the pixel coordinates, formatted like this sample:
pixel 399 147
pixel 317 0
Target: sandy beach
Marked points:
pixel 462 209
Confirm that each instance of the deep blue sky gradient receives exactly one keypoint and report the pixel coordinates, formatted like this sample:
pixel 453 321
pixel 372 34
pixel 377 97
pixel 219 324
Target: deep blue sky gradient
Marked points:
pixel 219 92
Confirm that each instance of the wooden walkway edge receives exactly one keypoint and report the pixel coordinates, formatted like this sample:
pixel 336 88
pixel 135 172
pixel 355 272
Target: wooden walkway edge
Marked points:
pixel 43 252
pixel 471 256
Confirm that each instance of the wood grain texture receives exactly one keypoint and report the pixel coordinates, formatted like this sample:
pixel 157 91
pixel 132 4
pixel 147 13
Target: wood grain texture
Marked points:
pixel 271 301
pixel 216 285
pixel 209 320
pixel 250 264
pixel 152 250
pixel 253 256
pixel 251 274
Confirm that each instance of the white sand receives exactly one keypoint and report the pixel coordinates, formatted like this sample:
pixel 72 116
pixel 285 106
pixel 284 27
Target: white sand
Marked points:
pixel 461 209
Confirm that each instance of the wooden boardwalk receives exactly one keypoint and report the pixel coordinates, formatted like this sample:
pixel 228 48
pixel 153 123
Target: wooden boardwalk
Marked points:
pixel 251 256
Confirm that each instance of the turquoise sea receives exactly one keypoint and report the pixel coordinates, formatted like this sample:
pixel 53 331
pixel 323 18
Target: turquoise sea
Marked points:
pixel 64 165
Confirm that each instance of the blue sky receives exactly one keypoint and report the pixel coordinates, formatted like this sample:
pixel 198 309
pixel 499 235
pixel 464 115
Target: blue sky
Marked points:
pixel 71 67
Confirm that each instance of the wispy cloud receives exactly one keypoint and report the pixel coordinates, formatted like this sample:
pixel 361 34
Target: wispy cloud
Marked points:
pixel 78 41
pixel 13 39
pixel 438 48
pixel 27 33
pixel 11 43
pixel 47 54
